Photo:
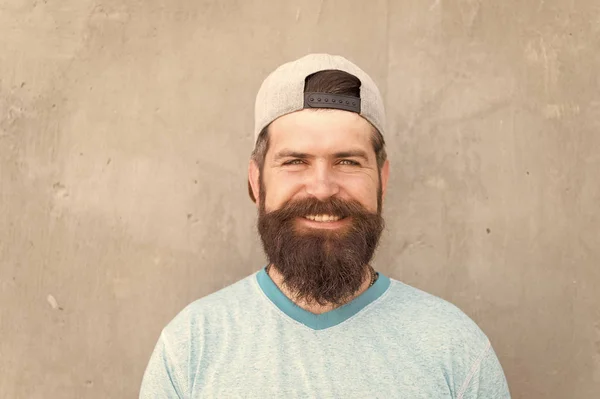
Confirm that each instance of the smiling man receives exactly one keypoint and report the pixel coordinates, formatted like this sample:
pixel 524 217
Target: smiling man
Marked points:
pixel 319 321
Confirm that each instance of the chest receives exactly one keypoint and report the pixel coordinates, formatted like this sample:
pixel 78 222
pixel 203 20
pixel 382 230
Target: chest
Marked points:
pixel 279 365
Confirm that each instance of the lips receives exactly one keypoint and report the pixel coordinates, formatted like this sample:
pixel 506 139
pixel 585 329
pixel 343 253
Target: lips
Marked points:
pixel 323 218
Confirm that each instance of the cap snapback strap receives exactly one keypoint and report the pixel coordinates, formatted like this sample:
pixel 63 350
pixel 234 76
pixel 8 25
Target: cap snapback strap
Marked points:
pixel 336 101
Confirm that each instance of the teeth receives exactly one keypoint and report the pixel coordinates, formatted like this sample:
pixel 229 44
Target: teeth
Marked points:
pixel 323 218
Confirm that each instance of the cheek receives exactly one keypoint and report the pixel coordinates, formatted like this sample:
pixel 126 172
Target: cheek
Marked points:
pixel 279 190
pixel 364 191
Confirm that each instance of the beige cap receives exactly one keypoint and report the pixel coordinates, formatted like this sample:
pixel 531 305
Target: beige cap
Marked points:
pixel 282 92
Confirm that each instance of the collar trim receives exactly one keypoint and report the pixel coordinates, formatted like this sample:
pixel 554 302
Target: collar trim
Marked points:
pixel 327 319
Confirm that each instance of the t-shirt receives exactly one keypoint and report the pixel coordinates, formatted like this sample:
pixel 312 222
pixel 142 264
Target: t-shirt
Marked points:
pixel 249 340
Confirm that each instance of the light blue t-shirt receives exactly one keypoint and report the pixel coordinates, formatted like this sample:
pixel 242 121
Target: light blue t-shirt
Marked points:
pixel 249 340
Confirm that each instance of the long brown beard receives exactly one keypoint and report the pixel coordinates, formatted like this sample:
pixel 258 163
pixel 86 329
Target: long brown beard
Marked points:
pixel 322 266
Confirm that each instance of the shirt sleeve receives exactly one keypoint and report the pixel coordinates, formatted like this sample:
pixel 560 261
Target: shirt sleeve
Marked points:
pixel 163 377
pixel 486 379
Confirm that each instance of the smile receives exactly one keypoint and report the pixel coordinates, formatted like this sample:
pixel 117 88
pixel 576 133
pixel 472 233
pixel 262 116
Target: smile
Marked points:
pixel 322 218
pixel 324 222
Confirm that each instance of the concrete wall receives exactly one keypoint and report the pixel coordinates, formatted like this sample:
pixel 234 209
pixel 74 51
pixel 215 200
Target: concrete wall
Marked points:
pixel 125 131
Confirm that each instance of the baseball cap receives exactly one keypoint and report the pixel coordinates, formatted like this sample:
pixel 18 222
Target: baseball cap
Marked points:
pixel 282 92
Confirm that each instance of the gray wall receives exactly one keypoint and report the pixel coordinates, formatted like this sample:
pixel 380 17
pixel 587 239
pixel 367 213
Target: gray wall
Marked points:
pixel 125 131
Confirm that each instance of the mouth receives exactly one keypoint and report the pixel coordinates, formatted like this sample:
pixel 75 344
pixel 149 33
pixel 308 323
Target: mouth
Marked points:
pixel 324 221
pixel 324 218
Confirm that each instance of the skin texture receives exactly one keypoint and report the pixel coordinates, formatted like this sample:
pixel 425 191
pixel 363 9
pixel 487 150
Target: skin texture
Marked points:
pixel 320 154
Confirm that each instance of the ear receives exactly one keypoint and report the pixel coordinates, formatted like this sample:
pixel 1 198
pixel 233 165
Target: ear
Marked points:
pixel 253 181
pixel 385 174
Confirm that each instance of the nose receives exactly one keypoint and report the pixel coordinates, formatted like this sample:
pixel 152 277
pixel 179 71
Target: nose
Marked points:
pixel 321 183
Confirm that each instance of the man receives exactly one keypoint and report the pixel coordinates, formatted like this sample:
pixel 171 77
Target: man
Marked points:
pixel 318 321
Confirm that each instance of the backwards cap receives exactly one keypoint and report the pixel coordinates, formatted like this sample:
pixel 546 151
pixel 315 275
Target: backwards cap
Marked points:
pixel 282 92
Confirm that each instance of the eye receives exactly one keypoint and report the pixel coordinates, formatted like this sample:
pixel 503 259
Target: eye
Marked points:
pixel 349 162
pixel 294 162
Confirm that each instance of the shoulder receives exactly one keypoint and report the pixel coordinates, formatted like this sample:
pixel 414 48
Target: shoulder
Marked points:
pixel 431 317
pixel 438 332
pixel 216 308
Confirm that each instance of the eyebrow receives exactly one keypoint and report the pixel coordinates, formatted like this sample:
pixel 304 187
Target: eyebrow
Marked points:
pixel 352 154
pixel 290 154
pixel 301 155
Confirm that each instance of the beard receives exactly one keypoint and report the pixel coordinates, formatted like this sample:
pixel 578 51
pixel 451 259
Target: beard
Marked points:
pixel 320 265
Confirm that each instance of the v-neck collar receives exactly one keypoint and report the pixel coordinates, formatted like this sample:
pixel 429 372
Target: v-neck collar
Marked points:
pixel 327 319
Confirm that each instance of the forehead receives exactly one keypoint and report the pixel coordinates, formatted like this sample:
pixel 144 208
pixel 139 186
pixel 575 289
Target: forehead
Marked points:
pixel 320 131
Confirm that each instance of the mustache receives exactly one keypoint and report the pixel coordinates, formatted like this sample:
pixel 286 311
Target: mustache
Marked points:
pixel 312 206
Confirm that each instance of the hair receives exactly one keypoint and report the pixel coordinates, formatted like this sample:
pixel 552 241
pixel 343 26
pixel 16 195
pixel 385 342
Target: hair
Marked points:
pixel 328 81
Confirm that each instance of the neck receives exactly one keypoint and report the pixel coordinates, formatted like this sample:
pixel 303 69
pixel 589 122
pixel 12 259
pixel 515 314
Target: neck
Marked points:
pixel 312 306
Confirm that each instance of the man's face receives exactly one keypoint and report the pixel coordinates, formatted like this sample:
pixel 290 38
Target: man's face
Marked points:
pixel 321 154
pixel 319 199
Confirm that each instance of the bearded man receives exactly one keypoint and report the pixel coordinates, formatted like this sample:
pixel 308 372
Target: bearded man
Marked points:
pixel 319 321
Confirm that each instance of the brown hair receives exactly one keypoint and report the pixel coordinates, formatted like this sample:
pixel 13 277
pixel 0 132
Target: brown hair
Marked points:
pixel 329 81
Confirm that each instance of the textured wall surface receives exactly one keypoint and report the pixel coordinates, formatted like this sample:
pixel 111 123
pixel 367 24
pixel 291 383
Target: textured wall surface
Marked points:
pixel 125 132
